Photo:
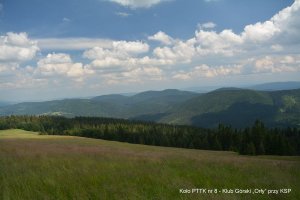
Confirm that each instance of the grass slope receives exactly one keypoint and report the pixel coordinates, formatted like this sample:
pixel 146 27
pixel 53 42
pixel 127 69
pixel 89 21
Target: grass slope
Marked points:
pixel 35 166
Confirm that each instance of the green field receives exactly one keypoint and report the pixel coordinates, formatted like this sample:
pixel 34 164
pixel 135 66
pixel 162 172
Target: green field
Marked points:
pixel 34 166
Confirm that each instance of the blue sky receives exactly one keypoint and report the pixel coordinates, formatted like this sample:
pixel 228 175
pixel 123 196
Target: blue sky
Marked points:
pixel 72 48
pixel 100 18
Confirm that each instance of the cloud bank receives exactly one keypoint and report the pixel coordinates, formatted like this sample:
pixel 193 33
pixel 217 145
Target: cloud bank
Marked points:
pixel 270 47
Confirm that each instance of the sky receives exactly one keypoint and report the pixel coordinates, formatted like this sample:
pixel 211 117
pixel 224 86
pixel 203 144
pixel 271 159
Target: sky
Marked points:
pixel 81 48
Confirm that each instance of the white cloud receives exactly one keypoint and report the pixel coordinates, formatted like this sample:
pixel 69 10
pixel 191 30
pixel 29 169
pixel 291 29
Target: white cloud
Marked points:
pixel 161 37
pixel 225 43
pixel 66 20
pixel 272 47
pixel 12 76
pixel 8 69
pixel 180 52
pixel 112 61
pixel 130 47
pixel 207 25
pixel 21 82
pixel 135 75
pixel 141 73
pixel 123 14
pixel 289 60
pixel 120 54
pixel 260 31
pixel 125 62
pixel 118 49
pixel 107 62
pixel 282 29
pixel 61 64
pixel 55 59
pixel 211 0
pixel 259 38
pixel 277 64
pixel 137 3
pixel 289 23
pixel 181 75
pixel 276 47
pixel 16 47
pixel 208 72
pixel 72 43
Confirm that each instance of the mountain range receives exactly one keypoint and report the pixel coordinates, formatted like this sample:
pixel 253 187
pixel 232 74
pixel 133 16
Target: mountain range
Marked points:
pixel 276 86
pixel 270 86
pixel 4 103
pixel 234 106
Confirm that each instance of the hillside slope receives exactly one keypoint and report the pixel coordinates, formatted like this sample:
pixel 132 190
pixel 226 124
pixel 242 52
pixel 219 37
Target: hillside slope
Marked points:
pixel 36 166
pixel 275 86
pixel 233 106
pixel 239 108
pixel 117 106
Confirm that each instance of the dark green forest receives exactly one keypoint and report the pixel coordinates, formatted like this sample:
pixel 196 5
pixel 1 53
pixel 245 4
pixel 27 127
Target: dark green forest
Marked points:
pixel 225 105
pixel 255 140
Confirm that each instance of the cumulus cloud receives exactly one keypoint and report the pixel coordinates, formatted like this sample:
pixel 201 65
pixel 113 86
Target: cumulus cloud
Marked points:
pixel 224 43
pixel 271 33
pixel 277 64
pixel 180 52
pixel 258 38
pixel 120 54
pixel 17 47
pixel 255 65
pixel 118 49
pixel 260 31
pixel 21 82
pixel 125 62
pixel 161 37
pixel 276 47
pixel 61 65
pixel 272 45
pixel 208 72
pixel 134 75
pixel 8 69
pixel 130 47
pixel 137 3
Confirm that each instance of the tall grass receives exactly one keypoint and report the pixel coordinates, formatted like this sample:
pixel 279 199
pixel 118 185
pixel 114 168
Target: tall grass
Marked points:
pixel 59 167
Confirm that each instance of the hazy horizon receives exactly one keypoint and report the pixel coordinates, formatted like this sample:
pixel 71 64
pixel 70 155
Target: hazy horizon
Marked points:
pixel 196 89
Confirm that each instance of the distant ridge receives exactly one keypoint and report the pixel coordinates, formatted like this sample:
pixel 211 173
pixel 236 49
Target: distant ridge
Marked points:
pixel 228 89
pixel 4 103
pixel 290 85
pixel 234 106
pixel 272 86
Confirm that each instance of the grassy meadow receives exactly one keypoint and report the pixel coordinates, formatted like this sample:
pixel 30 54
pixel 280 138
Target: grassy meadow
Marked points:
pixel 34 166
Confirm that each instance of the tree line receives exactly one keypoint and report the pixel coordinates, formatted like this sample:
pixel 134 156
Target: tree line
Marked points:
pixel 255 140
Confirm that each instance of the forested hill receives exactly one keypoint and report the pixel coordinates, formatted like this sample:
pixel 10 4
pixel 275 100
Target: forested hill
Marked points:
pixel 289 85
pixel 116 106
pixel 254 140
pixel 239 108
pixel 232 106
